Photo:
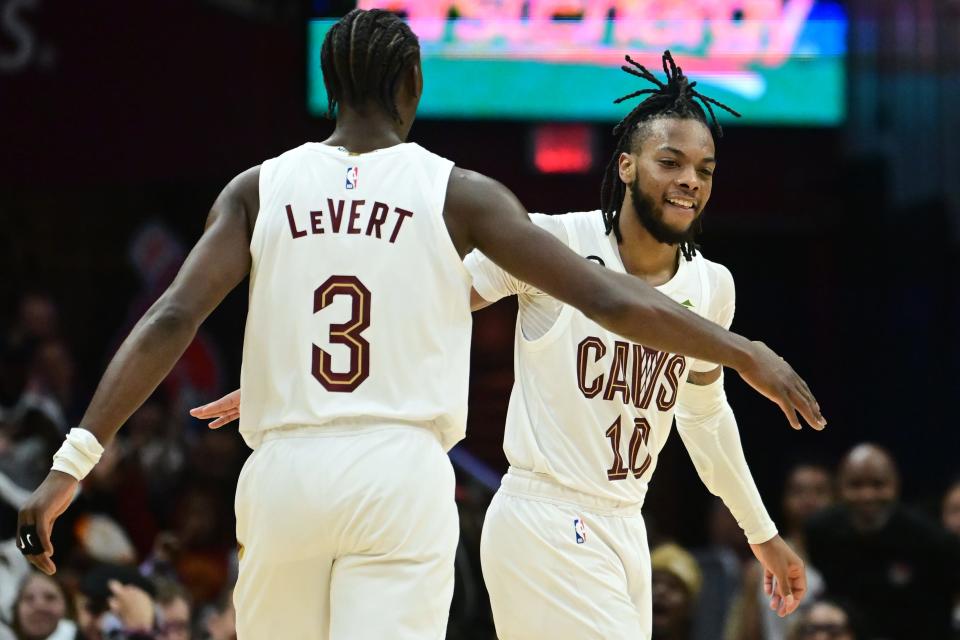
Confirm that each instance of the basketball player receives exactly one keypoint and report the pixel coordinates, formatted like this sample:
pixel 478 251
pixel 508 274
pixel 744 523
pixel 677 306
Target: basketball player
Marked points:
pixel 356 350
pixel 564 548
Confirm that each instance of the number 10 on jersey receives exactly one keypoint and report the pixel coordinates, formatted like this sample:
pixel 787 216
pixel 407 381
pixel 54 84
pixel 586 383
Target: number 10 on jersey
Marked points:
pixel 641 435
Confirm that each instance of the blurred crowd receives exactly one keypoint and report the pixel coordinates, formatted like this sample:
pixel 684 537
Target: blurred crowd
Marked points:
pixel 147 550
pixel 876 568
pixel 148 546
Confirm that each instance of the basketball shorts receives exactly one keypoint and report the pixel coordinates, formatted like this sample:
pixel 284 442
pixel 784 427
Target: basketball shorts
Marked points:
pixel 564 565
pixel 347 532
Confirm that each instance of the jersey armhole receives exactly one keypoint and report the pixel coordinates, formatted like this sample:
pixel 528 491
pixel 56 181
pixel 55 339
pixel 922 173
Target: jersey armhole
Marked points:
pixel 441 179
pixel 706 302
pixel 566 311
pixel 263 187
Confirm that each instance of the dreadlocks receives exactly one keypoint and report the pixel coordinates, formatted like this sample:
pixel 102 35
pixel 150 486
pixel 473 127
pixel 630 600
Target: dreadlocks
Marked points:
pixel 362 58
pixel 675 98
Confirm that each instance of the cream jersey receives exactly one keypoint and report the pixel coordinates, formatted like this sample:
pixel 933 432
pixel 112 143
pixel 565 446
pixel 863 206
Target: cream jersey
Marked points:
pixel 359 303
pixel 589 409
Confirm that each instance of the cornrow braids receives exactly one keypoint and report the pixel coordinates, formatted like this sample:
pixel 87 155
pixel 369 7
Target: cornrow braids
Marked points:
pixel 363 56
pixel 675 97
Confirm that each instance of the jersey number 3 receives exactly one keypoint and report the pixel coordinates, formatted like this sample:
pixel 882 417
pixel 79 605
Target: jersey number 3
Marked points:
pixel 347 334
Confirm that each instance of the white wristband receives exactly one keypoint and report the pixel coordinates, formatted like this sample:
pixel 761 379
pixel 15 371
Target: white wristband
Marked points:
pixel 78 454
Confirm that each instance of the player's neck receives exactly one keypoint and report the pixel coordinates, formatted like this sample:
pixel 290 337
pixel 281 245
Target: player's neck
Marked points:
pixel 362 133
pixel 643 255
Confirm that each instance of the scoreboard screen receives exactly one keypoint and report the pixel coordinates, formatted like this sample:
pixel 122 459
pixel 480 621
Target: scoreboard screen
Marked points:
pixel 778 62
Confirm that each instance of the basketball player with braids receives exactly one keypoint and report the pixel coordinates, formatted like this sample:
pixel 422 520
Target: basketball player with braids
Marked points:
pixel 356 354
pixel 564 547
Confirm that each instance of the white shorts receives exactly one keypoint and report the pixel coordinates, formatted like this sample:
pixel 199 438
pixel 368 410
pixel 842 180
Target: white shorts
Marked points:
pixel 564 565
pixel 346 533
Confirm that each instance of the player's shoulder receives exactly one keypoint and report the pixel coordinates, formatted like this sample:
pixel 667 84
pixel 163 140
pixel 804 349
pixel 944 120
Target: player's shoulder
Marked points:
pixel 295 152
pixel 245 187
pixel 285 162
pixel 576 223
pixel 718 276
pixel 473 191
pixel 573 224
pixel 416 149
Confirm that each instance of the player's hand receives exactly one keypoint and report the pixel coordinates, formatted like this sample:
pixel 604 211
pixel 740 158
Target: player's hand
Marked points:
pixel 774 378
pixel 784 576
pixel 225 410
pixel 36 518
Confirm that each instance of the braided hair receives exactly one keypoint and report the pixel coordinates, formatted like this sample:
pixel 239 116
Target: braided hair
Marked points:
pixel 676 97
pixel 362 58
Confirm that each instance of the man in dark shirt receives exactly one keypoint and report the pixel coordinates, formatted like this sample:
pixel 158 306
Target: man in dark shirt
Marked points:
pixel 900 570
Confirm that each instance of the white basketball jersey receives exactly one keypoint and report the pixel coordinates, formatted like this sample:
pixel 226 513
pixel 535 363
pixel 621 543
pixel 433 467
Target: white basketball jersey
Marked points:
pixel 589 408
pixel 359 303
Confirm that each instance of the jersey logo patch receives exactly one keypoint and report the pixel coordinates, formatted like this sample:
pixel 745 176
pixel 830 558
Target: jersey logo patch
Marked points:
pixel 687 303
pixel 353 174
pixel 579 530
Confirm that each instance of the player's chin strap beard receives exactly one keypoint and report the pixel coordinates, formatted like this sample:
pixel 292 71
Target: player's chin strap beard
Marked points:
pixel 28 540
pixel 644 206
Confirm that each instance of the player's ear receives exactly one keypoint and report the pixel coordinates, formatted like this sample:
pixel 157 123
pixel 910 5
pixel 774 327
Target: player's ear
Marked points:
pixel 628 167
pixel 414 81
pixel 419 71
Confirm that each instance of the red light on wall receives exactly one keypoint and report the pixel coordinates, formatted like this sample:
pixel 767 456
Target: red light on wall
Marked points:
pixel 563 148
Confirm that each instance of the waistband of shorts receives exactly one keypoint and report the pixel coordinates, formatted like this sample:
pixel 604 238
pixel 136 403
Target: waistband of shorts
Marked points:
pixel 342 427
pixel 537 486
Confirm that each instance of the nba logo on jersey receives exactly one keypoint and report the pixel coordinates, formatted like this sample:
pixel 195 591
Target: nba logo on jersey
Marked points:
pixel 352 174
pixel 580 530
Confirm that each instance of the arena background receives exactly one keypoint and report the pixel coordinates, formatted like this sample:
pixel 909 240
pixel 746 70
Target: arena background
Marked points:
pixel 120 123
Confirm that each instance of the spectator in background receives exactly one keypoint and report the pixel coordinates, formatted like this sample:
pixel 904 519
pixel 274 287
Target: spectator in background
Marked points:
pixel 808 490
pixel 173 606
pixel 13 566
pixel 883 558
pixel 721 564
pixel 29 436
pixel 117 488
pixel 676 585
pixel 52 377
pixel 43 610
pixel 36 321
pixel 116 603
pixel 157 441
pixel 823 620
pixel 951 509
pixel 951 522
pixel 222 623
pixel 204 540
pixel 42 372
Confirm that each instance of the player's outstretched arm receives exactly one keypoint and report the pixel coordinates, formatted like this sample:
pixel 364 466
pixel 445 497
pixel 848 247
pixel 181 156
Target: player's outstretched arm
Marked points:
pixel 481 213
pixel 219 261
pixel 709 432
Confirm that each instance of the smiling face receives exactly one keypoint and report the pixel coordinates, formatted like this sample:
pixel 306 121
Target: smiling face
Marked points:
pixel 669 174
pixel 40 607
pixel 869 486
